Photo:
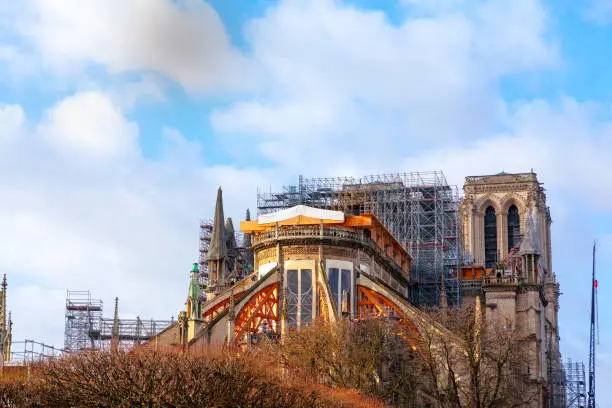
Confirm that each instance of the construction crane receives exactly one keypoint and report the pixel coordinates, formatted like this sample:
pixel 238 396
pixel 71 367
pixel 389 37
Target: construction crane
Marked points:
pixel 592 340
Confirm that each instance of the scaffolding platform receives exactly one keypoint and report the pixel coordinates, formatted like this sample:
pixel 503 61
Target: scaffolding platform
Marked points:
pixel 575 384
pixel 86 328
pixel 420 209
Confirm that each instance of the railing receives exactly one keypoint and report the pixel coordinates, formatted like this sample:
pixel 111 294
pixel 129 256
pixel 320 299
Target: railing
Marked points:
pixel 30 351
pixel 490 280
pixel 518 177
pixel 507 280
pixel 314 232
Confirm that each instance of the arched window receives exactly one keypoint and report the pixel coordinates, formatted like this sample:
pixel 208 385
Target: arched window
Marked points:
pixel 490 237
pixel 514 227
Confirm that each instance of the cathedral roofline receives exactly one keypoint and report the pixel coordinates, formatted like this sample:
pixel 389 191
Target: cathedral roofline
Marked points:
pixel 503 176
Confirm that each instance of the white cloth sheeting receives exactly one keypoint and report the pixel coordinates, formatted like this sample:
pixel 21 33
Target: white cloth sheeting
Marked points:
pixel 304 210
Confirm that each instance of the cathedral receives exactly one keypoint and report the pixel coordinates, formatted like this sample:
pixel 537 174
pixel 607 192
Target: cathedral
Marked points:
pixel 302 263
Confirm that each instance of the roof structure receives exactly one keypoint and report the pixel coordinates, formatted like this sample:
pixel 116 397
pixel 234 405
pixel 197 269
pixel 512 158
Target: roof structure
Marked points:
pixel 302 215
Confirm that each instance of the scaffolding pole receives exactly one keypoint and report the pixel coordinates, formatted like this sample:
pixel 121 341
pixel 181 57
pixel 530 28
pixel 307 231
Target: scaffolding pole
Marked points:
pixel 206 227
pixel 420 209
pixel 86 328
pixel 132 332
pixel 82 313
pixel 33 351
pixel 575 384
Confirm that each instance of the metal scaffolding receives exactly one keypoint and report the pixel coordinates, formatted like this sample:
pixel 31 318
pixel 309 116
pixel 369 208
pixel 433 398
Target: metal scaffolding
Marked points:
pixel 132 332
pixel 86 328
pixel 82 312
pixel 33 351
pixel 206 227
pixel 575 384
pixel 420 209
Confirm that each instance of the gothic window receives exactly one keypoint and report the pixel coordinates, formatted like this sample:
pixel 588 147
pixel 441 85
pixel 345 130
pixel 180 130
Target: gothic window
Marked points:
pixel 293 296
pixel 340 285
pixel 333 276
pixel 490 237
pixel 345 291
pixel 514 227
pixel 306 296
pixel 299 296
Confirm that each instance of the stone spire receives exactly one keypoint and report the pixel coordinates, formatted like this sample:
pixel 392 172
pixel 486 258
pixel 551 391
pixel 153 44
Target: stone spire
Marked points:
pixel 217 252
pixel 115 333
pixel 246 243
pixel 194 295
pixel 230 234
pixel 8 338
pixel 3 305
pixel 218 246
pixel 230 242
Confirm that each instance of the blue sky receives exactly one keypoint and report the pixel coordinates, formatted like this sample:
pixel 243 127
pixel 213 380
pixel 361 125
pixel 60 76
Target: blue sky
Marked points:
pixel 120 119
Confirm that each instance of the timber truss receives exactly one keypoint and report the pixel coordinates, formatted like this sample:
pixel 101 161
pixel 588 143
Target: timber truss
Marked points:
pixel 261 310
pixel 215 310
pixel 256 310
pixel 371 304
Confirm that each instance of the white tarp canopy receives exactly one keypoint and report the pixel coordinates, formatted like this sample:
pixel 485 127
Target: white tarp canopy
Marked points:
pixel 298 210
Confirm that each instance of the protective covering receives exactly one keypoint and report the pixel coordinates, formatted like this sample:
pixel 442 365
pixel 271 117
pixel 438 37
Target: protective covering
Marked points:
pixel 531 239
pixel 301 210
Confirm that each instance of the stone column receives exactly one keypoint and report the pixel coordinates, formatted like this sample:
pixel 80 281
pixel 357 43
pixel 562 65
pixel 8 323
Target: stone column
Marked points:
pixel 469 232
pixel 479 238
pixel 282 293
pixel 502 235
pixel 231 320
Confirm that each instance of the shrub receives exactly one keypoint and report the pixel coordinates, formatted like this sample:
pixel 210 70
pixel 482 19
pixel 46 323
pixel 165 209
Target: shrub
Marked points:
pixel 168 379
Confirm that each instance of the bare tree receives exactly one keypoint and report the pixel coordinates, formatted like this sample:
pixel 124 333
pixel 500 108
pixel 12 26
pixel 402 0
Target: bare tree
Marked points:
pixel 369 355
pixel 478 364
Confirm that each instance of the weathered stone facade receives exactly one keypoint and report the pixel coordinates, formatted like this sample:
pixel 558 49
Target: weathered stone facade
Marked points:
pixel 518 283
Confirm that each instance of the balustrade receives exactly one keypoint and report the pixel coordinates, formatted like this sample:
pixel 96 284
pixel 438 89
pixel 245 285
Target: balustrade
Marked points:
pixel 303 232
pixel 316 232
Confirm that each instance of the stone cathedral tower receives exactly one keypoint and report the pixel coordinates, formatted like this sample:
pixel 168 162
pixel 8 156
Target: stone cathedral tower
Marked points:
pixel 506 233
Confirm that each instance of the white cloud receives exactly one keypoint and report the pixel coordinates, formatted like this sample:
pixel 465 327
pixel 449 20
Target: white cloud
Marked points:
pixel 89 124
pixel 436 6
pixel 332 72
pixel 184 40
pixel 567 144
pixel 12 119
pixel 148 89
pixel 127 227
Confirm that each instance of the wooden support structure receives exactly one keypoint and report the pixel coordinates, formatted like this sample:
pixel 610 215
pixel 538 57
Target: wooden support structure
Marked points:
pixel 371 304
pixel 210 314
pixel 263 306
